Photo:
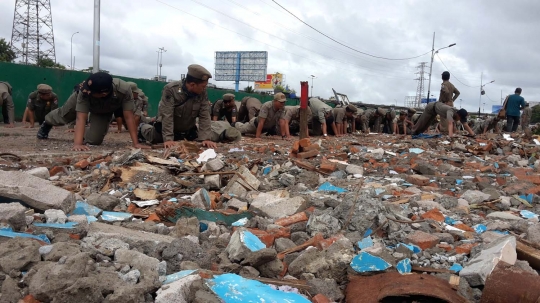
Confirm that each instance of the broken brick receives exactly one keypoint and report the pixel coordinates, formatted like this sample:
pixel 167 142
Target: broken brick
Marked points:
pixel 465 248
pixel 464 227
pixel 308 154
pixel 304 142
pixel 434 214
pixel 320 298
pixel 328 167
pixel 418 180
pixel 82 164
pixel 55 170
pixel 422 239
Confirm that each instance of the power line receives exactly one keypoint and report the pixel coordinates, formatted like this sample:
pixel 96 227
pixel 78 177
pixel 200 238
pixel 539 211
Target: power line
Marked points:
pixel 454 75
pixel 347 64
pixel 342 44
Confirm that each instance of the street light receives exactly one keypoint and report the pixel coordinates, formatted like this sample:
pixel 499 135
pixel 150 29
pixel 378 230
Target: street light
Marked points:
pixel 482 90
pixel 71 55
pixel 433 52
pixel 312 84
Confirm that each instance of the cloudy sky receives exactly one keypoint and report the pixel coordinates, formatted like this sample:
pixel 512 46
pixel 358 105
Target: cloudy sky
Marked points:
pixel 497 38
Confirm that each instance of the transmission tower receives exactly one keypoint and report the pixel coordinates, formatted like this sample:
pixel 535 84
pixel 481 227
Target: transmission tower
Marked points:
pixel 420 88
pixel 32 36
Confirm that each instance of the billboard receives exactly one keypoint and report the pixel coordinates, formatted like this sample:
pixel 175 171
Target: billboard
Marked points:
pixel 271 81
pixel 495 109
pixel 424 100
pixel 240 66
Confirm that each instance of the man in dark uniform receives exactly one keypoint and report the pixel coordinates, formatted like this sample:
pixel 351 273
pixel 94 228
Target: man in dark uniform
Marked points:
pixel 100 95
pixel 249 109
pixel 449 92
pixel 40 103
pixel 182 102
pixel 6 102
pixel 225 108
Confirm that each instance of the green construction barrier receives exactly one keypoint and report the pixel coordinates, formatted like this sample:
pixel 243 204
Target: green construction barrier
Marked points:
pixel 25 78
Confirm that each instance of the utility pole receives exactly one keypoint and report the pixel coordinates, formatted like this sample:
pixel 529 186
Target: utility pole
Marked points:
pixel 433 52
pixel 312 85
pixel 162 49
pixel 97 42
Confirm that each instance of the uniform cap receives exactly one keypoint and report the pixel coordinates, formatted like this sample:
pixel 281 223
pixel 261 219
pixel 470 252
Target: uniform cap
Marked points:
pixel 44 89
pixel 198 72
pixel 359 112
pixel 402 113
pixel 228 97
pixel 280 97
pixel 352 108
pixel 232 134
pixel 411 110
pixel 381 111
pixel 98 83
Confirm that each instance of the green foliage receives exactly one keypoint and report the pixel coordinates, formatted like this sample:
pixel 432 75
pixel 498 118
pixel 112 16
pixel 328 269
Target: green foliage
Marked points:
pixel 248 89
pixel 49 63
pixel 535 118
pixel 279 88
pixel 6 52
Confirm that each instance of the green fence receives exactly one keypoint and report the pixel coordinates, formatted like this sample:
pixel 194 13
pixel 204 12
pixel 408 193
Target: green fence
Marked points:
pixel 25 78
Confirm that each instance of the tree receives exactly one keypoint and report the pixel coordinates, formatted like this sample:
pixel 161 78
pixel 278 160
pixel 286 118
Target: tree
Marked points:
pixel 6 52
pixel 535 117
pixel 48 62
pixel 278 89
pixel 249 89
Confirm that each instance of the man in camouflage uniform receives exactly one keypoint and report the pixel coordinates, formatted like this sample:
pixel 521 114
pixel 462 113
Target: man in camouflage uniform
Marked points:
pixel 100 96
pixel 249 109
pixel 225 108
pixel 223 132
pixel 182 102
pixel 447 116
pixel 291 121
pixel 8 107
pixel 39 104
pixel 449 92
pixel 267 120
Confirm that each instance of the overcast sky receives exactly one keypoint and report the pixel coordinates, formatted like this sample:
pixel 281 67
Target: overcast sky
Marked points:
pixel 496 37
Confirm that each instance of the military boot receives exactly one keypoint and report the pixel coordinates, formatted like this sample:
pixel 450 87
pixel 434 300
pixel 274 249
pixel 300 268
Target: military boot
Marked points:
pixel 44 129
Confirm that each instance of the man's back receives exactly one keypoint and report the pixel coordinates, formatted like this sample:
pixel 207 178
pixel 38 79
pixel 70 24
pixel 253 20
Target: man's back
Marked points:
pixel 514 104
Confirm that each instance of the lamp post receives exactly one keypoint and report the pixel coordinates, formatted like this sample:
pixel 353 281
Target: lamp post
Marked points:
pixel 460 100
pixel 433 52
pixel 162 50
pixel 71 55
pixel 482 91
pixel 312 84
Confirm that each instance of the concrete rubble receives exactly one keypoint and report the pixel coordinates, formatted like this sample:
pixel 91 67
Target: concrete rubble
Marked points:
pixel 302 220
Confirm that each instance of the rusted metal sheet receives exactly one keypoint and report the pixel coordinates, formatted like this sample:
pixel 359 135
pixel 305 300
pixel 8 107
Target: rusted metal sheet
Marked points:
pixel 374 289
pixel 506 283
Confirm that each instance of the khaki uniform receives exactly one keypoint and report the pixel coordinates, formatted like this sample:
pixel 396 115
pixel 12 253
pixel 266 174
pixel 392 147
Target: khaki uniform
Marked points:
pixel 429 115
pixel 6 101
pixel 221 130
pixel 219 110
pixel 389 122
pixel 403 130
pixel 291 116
pixel 371 118
pixel 267 112
pixel 100 110
pixel 41 107
pixel 249 109
pixel 339 115
pixel 449 93
pixel 526 118
pixel 322 114
pixel 479 127
pixel 178 111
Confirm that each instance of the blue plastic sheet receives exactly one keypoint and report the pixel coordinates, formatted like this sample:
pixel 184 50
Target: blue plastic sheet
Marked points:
pixel 327 186
pixel 368 232
pixel 240 222
pixel 415 249
pixel 425 136
pixel 501 232
pixel 365 262
pixel 528 214
pixel 404 266
pixel 233 288
pixel 9 233
pixel 416 150
pixel 267 170
pixel 251 241
pixel 83 208
pixel 67 225
pixel 449 221
pixel 479 228
pixel 365 243
pixel 177 276
pixel 528 198
pixel 459 182
pixel 112 216
pixel 456 267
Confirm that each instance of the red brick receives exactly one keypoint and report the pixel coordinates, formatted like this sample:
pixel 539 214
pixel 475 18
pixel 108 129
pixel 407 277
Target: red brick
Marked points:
pixel 422 240
pixel 353 150
pixel 501 180
pixel 434 214
pixel 55 170
pixel 479 179
pixel 534 190
pixel 465 248
pixel 464 227
pixel 304 142
pixel 82 164
pixel 320 298
pixel 530 178
pixel 418 180
pixel 295 147
pixel 446 247
pixel 486 169
pixel 401 169
pixel 29 299
pixel 309 154
pixel 311 147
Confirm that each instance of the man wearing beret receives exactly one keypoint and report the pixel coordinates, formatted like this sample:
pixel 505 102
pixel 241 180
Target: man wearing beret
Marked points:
pixel 268 119
pixel 182 102
pixel 225 108
pixel 341 115
pixel 39 104
pixel 8 107
pixel 291 120
pixel 100 95
pixel 249 109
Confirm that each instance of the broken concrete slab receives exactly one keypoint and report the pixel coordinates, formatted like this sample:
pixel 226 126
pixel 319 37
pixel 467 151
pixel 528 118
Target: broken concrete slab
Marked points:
pixel 201 199
pixel 177 291
pixel 134 238
pixel 325 224
pixel 13 214
pixel 267 205
pixel 238 186
pixel 103 200
pixel 18 254
pixel 475 196
pixel 40 172
pixel 503 216
pixel 147 266
pixel 35 192
pixel 480 267
pixel 55 216
pixel 242 244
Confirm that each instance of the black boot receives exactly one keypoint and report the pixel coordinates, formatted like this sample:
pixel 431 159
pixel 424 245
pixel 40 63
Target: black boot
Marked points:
pixel 44 129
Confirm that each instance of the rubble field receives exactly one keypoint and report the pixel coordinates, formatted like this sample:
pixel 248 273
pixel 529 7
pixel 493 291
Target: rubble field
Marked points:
pixel 363 218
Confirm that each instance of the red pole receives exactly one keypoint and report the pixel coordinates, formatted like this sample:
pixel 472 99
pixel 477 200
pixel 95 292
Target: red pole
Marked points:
pixel 304 93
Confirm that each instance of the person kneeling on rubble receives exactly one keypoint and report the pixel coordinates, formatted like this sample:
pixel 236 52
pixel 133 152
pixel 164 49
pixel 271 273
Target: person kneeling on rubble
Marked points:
pixel 182 102
pixel 223 132
pixel 447 114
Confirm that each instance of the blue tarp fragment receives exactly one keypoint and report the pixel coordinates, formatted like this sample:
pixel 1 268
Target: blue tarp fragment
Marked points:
pixel 528 214
pixel 177 276
pixel 449 221
pixel 251 241
pixel 112 216
pixel 365 262
pixel 479 228
pixel 404 266
pixel 67 225
pixel 415 249
pixel 416 150
pixel 365 243
pixel 83 208
pixel 456 267
pixel 233 288
pixel 9 233
pixel 425 136
pixel 327 186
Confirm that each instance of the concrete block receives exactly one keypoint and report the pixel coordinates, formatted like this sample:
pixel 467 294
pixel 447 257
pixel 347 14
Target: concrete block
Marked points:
pixel 177 291
pixel 475 196
pixel 214 181
pixel 134 238
pixel 55 216
pixel 503 216
pixel 287 179
pixel 352 169
pixel 201 199
pixel 13 214
pixel 147 267
pixel 213 165
pixel 268 206
pixel 40 172
pixel 325 224
pixel 187 227
pixel 480 267
pixel 237 186
pixel 237 204
pixel 35 192
pixel 242 244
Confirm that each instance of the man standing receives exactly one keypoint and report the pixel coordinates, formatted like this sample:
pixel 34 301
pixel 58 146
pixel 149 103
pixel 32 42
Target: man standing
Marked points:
pixel 291 120
pixel 6 101
pixel 526 117
pixel 268 118
pixel 225 108
pixel 447 115
pixel 249 109
pixel 514 105
pixel 182 102
pixel 322 117
pixel 223 132
pixel 341 115
pixel 40 103
pixel 449 92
